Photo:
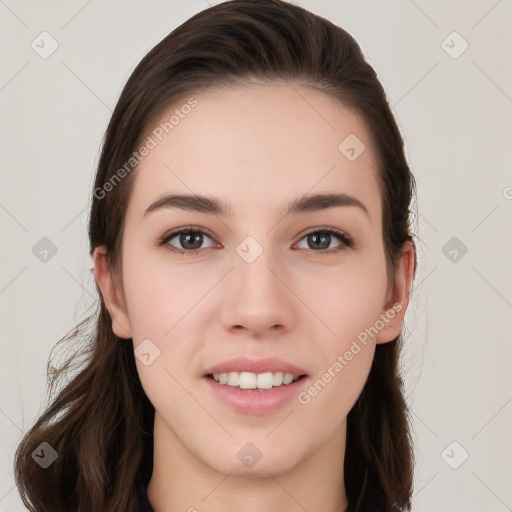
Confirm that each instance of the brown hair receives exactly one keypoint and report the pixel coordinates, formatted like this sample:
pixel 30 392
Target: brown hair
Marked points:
pixel 100 422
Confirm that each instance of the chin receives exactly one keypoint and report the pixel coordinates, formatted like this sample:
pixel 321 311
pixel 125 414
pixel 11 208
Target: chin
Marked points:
pixel 241 465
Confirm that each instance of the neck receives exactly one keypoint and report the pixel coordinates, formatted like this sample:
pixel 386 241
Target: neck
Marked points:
pixel 181 481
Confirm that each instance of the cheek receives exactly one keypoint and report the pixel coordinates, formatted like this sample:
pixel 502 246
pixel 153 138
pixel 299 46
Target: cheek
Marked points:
pixel 158 297
pixel 163 307
pixel 349 303
pixel 348 298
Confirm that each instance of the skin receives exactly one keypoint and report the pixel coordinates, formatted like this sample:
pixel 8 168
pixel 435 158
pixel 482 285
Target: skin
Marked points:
pixel 256 148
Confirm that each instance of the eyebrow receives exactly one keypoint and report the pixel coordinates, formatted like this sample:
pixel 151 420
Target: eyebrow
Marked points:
pixel 212 205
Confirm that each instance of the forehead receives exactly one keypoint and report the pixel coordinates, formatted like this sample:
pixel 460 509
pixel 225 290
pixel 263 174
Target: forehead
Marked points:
pixel 258 146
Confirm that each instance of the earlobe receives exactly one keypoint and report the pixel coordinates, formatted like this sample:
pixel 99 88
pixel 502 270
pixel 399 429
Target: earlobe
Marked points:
pixel 110 293
pixel 399 294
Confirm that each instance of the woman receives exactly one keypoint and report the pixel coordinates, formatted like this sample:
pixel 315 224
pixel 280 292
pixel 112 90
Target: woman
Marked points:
pixel 251 242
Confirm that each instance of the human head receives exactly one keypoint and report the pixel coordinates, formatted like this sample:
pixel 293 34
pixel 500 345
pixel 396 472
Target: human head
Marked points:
pixel 231 46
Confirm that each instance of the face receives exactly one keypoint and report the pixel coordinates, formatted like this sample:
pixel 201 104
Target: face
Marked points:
pixel 305 292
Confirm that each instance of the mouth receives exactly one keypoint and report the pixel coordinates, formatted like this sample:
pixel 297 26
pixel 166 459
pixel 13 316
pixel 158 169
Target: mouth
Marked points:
pixel 255 393
pixel 255 386
pixel 255 381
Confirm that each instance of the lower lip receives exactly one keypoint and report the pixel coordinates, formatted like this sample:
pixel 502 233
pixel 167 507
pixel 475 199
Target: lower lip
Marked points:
pixel 249 401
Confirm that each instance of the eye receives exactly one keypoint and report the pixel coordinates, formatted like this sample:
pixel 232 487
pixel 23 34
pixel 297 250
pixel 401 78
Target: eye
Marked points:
pixel 189 239
pixel 320 240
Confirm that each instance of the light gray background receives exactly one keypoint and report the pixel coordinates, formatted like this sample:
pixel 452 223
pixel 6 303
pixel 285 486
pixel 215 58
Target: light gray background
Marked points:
pixel 455 115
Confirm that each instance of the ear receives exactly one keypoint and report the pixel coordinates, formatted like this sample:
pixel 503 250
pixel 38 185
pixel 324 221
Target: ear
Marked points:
pixel 398 294
pixel 111 294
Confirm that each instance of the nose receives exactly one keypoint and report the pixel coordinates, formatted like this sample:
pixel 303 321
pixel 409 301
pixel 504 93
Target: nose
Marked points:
pixel 258 298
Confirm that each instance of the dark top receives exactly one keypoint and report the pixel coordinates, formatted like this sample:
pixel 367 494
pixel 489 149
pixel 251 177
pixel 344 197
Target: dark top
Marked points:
pixel 370 499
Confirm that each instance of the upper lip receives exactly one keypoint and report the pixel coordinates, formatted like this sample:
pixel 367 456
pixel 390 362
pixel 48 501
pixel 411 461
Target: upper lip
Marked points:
pixel 245 364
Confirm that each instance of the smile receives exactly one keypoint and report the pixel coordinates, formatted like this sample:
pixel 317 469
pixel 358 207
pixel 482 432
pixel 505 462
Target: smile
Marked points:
pixel 260 381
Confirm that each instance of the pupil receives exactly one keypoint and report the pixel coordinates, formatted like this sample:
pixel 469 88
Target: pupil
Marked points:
pixel 325 237
pixel 185 238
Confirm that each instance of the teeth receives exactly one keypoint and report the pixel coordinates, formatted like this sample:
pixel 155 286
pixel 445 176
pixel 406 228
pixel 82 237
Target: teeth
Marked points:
pixel 248 380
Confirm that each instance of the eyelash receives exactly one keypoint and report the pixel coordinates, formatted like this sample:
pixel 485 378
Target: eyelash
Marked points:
pixel 345 239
